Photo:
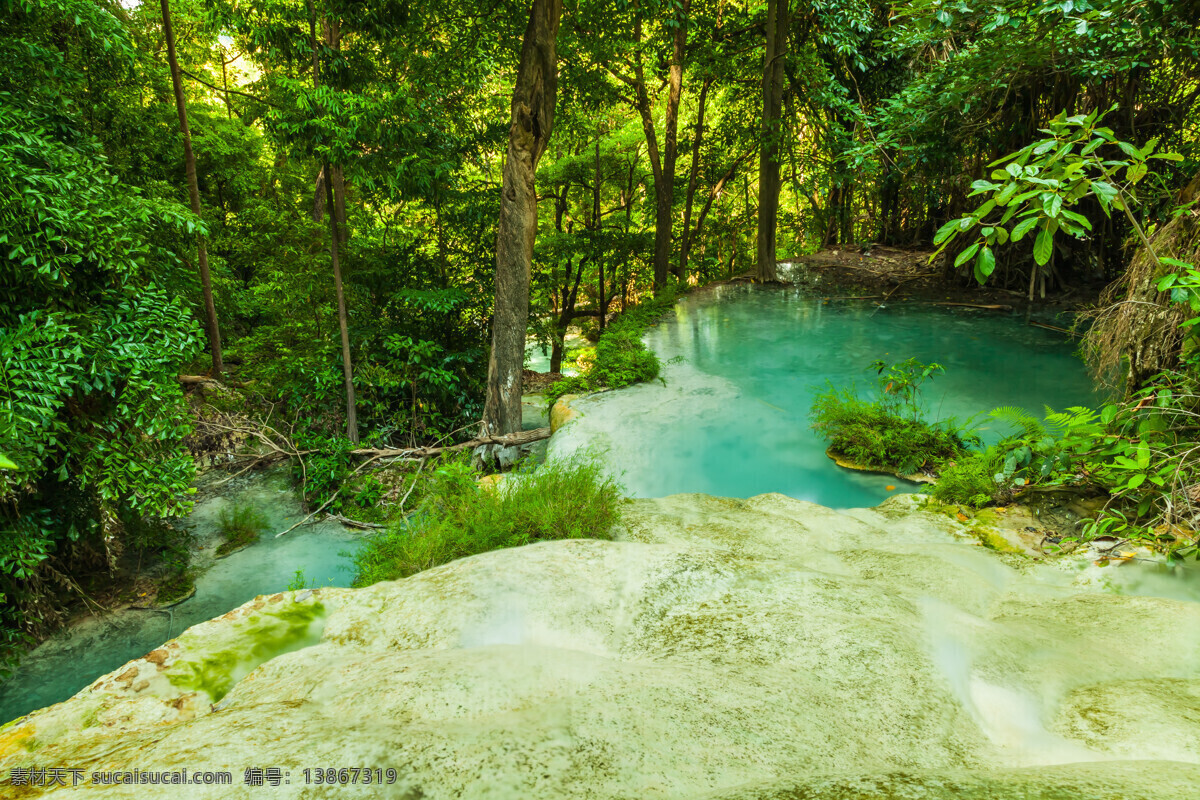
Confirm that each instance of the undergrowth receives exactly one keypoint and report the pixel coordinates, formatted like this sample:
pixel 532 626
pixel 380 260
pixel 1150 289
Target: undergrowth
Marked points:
pixel 620 358
pixel 241 526
pixel 870 435
pixel 890 433
pixel 457 518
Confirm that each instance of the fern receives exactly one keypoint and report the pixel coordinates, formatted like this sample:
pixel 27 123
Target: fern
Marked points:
pixel 1074 417
pixel 1030 427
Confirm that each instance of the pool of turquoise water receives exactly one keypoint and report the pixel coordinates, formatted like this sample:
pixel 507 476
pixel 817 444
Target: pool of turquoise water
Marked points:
pixel 743 366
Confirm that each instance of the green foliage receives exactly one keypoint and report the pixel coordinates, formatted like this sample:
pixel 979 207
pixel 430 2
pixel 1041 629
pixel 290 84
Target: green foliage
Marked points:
pixel 457 518
pixel 871 435
pixel 968 480
pixel 889 433
pixel 240 526
pixel 900 384
pixel 90 341
pixel 325 469
pixel 620 357
pixel 298 582
pixel 1038 186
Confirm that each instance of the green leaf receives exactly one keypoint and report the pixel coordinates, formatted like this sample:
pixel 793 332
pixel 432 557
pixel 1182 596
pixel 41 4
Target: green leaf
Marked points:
pixel 965 255
pixel 1043 247
pixel 1023 227
pixel 946 231
pixel 985 265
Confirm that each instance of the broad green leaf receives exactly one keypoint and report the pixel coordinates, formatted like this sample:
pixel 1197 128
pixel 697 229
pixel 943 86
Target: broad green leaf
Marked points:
pixel 966 255
pixel 1023 227
pixel 946 231
pixel 985 265
pixel 1043 247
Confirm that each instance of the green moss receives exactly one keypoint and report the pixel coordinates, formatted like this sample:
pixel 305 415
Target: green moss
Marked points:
pixel 258 639
pixel 992 540
pixel 988 516
pixel 175 587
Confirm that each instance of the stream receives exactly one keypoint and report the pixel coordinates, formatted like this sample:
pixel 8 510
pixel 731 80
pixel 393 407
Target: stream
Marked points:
pixel 69 661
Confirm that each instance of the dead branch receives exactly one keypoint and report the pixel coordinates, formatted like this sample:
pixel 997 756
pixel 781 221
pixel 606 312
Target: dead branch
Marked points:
pixel 989 306
pixel 353 523
pixel 507 440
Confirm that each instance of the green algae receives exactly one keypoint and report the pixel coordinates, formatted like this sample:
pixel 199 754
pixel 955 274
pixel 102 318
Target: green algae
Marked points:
pixel 258 639
pixel 994 540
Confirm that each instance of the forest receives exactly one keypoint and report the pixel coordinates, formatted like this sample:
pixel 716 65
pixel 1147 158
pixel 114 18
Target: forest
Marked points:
pixel 328 229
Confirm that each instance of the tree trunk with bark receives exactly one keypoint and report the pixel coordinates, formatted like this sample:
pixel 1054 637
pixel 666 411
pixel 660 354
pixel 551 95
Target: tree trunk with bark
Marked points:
pixel 768 160
pixel 189 159
pixel 596 234
pixel 670 142
pixel 662 163
pixel 335 238
pixel 685 244
pixel 529 132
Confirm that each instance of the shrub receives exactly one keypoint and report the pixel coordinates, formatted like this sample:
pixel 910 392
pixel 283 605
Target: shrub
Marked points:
pixel 969 480
pixel 620 357
pixel 457 518
pixel 871 435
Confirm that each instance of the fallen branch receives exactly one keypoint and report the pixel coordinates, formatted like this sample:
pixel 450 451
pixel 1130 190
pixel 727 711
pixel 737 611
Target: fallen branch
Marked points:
pixel 204 380
pixel 353 523
pixel 1076 334
pixel 991 307
pixel 507 440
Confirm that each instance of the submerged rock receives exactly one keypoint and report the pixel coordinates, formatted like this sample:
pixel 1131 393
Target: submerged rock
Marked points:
pixel 765 648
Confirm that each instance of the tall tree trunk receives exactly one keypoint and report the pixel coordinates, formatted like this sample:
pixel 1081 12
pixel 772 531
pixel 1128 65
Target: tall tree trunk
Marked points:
pixel 335 238
pixel 189 160
pixel 685 244
pixel 529 131
pixel 666 200
pixel 768 160
pixel 662 164
pixel 596 233
pixel 347 365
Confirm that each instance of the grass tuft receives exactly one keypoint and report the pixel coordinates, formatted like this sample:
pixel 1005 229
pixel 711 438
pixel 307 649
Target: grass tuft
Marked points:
pixel 240 527
pixel 458 518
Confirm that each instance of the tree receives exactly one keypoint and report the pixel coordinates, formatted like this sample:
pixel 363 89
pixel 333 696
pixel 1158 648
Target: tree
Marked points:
pixel 662 160
pixel 92 416
pixel 529 132
pixel 335 236
pixel 768 159
pixel 189 159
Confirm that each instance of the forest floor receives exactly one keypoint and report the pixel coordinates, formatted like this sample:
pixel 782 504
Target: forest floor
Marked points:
pixel 893 273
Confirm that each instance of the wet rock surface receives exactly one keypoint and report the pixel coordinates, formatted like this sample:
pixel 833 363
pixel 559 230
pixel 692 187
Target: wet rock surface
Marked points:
pixel 719 648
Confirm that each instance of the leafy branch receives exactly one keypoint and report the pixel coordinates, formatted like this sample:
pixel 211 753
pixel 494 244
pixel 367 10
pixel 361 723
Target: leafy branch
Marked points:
pixel 1038 186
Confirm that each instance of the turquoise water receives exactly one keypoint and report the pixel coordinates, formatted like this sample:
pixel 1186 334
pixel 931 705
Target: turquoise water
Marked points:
pixel 733 418
pixel 66 663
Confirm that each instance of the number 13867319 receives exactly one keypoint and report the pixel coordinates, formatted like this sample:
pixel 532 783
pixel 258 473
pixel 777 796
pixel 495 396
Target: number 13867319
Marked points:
pixel 348 776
